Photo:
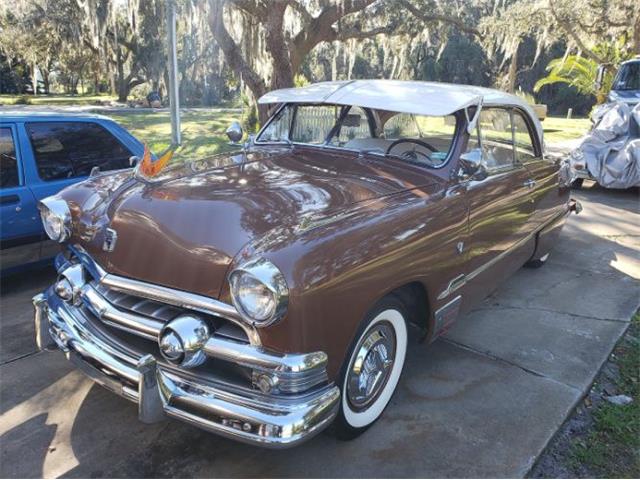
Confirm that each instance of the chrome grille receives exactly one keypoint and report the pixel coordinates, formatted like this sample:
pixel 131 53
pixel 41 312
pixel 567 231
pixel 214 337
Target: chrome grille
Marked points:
pixel 149 308
pixel 150 314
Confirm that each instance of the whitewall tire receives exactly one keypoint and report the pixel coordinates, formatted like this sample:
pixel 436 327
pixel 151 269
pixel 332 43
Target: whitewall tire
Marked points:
pixel 372 370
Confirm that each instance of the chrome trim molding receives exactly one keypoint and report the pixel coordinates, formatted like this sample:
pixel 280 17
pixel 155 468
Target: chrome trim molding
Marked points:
pixel 240 414
pixel 454 284
pixel 461 280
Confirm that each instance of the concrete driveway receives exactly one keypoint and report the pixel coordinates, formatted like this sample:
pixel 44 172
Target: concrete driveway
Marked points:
pixel 482 402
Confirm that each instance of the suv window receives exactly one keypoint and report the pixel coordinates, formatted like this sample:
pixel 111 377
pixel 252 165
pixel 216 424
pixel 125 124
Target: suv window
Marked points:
pixel 497 137
pixel 72 149
pixel 8 161
pixel 523 141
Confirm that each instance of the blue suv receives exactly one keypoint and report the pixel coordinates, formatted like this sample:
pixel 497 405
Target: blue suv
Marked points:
pixel 40 154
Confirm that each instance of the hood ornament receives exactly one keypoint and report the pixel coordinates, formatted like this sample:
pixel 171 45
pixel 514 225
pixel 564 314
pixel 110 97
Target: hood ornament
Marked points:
pixel 110 239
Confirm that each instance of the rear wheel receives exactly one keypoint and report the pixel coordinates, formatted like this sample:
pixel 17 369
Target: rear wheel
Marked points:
pixel 372 371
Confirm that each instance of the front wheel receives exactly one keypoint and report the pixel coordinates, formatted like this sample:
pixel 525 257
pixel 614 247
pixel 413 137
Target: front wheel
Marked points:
pixel 370 376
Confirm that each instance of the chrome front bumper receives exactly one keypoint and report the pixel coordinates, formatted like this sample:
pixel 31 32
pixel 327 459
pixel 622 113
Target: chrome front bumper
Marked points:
pixel 160 390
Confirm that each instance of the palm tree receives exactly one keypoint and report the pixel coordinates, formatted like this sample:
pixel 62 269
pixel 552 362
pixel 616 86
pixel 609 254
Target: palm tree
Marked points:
pixel 580 72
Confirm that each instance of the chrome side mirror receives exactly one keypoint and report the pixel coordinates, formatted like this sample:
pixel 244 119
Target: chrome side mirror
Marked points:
pixel 234 132
pixel 471 165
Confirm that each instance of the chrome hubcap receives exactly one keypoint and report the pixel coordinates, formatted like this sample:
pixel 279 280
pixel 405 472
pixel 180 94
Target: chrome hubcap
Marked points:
pixel 372 365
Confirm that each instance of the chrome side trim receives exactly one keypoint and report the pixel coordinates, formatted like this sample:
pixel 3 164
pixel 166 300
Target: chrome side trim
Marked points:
pixel 454 284
pixel 461 280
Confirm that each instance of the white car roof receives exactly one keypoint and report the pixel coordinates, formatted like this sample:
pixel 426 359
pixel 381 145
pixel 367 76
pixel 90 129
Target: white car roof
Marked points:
pixel 419 98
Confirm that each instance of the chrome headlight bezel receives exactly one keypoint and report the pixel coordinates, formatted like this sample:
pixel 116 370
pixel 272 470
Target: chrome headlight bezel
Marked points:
pixel 56 208
pixel 266 273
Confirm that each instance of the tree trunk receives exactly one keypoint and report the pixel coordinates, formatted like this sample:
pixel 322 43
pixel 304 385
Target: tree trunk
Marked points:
pixel 45 79
pixel 513 69
pixel 123 90
pixel 34 78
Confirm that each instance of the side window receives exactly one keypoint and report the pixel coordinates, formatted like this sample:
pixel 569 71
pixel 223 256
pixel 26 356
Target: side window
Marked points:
pixel 278 129
pixel 402 125
pixel 72 149
pixel 497 138
pixel 525 151
pixel 313 123
pixel 8 161
pixel 354 125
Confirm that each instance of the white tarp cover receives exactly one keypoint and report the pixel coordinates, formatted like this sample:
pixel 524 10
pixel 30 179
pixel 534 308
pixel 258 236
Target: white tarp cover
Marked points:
pixel 611 150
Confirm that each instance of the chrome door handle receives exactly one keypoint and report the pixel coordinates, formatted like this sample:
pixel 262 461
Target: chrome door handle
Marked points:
pixel 530 183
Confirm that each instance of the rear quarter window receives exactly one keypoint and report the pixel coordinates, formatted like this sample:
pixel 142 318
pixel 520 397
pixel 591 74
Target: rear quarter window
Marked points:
pixel 8 160
pixel 72 149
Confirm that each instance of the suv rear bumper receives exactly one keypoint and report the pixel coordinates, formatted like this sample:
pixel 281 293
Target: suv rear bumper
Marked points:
pixel 159 390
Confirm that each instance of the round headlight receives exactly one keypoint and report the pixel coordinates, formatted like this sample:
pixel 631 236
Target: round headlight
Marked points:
pixel 259 292
pixel 56 218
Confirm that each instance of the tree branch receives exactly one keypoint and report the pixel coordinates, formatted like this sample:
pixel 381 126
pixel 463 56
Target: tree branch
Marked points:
pixel 296 6
pixel 351 33
pixel 431 17
pixel 567 28
pixel 320 28
pixel 232 53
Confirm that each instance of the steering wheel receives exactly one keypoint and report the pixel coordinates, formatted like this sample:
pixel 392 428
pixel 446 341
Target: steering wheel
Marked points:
pixel 413 154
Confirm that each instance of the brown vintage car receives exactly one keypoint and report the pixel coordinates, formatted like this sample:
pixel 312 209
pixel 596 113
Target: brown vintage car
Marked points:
pixel 268 293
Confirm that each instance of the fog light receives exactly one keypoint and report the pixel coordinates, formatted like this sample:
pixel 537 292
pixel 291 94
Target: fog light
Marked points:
pixel 181 341
pixel 64 290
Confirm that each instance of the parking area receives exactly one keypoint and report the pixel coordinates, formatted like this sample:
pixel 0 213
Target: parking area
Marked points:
pixel 481 402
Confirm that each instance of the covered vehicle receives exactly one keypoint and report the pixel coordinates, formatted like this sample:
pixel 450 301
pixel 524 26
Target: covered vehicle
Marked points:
pixel 610 153
pixel 267 293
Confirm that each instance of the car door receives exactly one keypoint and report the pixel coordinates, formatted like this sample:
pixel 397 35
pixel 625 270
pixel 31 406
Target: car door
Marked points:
pixel 500 208
pixel 20 229
pixel 65 152
pixel 548 198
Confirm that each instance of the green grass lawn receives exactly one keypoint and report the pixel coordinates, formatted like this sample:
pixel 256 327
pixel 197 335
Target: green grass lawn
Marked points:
pixel 202 131
pixel 559 129
pixel 56 100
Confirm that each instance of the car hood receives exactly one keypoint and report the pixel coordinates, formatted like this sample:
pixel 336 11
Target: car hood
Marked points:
pixel 184 229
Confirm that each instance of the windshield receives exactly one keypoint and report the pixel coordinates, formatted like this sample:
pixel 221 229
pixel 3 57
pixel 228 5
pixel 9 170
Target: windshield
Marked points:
pixel 415 138
pixel 628 77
